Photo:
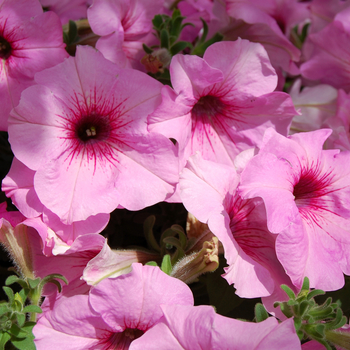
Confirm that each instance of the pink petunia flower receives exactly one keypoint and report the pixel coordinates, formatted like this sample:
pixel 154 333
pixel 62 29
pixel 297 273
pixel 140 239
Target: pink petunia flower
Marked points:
pixel 252 23
pixel 30 41
pixel 83 131
pixel 124 26
pixel 208 191
pixel 116 311
pixel 329 56
pixel 222 104
pixel 305 190
pixel 200 328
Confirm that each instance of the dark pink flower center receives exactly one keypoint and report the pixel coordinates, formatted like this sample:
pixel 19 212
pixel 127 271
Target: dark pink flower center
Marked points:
pixel 310 191
pixel 122 340
pixel 92 127
pixel 5 49
pixel 208 107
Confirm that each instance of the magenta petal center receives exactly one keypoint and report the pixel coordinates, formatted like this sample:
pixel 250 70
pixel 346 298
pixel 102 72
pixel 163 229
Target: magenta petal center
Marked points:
pixel 5 49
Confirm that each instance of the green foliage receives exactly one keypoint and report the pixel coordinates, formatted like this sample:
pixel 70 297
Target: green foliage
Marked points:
pixel 16 316
pixel 311 320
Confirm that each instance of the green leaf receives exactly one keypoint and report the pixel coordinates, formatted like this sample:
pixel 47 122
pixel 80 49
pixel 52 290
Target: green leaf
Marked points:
pixel 289 292
pixel 33 308
pixel 4 308
pixel 314 293
pixel 306 285
pixel 175 28
pixel 200 49
pixel 9 293
pixel 157 21
pixel 179 46
pixel 18 332
pixel 205 31
pixel 151 263
pixel 26 343
pixel 166 264
pixel 260 313
pixel 176 14
pixel 11 279
pixel 4 338
pixel 21 318
pixel 164 39
pixel 24 293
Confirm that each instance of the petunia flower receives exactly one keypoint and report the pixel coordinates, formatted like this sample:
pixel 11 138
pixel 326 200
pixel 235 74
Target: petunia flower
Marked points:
pixel 116 311
pixel 124 26
pixel 83 131
pixel 327 60
pixel 305 190
pixel 221 104
pixel 200 328
pixel 208 191
pixel 30 41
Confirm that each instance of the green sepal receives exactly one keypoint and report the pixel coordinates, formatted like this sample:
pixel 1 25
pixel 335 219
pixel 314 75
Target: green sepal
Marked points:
pixel 297 323
pixel 33 283
pixel 205 31
pixel 166 264
pixel 260 312
pixel 151 263
pixel 175 28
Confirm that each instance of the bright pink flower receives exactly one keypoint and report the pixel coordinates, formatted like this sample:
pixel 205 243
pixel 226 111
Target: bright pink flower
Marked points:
pixel 115 312
pixel 306 191
pixel 287 13
pixel 200 328
pixel 66 9
pixel 330 57
pixel 251 23
pixel 124 26
pixel 222 104
pixel 83 130
pixel 208 191
pixel 30 41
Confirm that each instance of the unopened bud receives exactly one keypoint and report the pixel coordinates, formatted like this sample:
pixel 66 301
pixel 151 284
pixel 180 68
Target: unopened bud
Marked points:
pixel 193 265
pixel 16 242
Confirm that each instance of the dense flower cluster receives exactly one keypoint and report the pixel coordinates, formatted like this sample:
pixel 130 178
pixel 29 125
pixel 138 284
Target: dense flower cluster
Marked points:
pixel 237 109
